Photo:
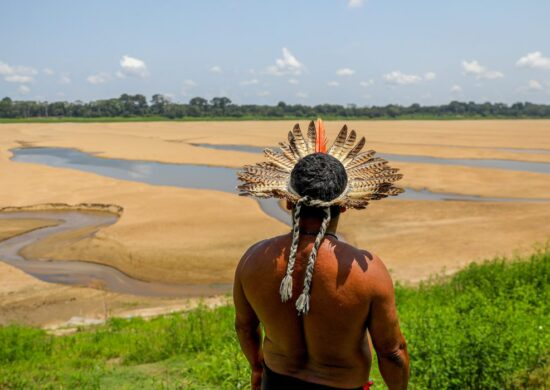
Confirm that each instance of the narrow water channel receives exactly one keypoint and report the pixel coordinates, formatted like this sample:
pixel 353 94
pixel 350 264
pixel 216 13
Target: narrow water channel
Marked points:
pixel 191 176
pixel 178 175
pixel 86 273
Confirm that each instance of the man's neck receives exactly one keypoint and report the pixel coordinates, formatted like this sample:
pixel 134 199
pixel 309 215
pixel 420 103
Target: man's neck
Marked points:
pixel 312 225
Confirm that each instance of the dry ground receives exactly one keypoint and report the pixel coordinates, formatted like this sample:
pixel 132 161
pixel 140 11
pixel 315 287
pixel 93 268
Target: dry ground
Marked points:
pixel 14 227
pixel 417 239
pixel 196 236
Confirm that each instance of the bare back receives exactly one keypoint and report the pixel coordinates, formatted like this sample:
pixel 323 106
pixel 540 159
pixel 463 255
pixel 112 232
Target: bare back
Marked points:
pixel 328 345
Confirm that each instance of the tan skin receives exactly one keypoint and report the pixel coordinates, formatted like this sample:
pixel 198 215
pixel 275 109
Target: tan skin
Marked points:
pixel 352 296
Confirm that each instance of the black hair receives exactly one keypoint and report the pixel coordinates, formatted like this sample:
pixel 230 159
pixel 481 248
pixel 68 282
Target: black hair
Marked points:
pixel 320 176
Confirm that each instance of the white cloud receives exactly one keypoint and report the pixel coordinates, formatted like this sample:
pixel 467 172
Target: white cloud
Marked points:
pixel 48 71
pixel 356 3
pixel 472 67
pixel 17 74
pixel 534 60
pixel 333 83
pixel 481 72
pixel 215 69
pixel 301 95
pixel 293 81
pixel 534 85
pixel 23 89
pixel 250 82
pixel 263 93
pixel 100 78
pixel 289 64
pixel 455 89
pixel 396 77
pixel 345 72
pixel 15 78
pixel 131 66
pixel 493 75
pixel 187 85
pixel 429 76
pixel 5 69
pixel 64 79
pixel 531 86
pixel 367 83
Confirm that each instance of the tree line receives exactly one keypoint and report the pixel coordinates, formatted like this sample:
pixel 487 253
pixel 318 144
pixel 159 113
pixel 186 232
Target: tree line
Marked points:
pixel 221 107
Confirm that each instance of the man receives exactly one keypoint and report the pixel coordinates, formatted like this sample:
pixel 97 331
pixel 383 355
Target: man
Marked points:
pixel 316 335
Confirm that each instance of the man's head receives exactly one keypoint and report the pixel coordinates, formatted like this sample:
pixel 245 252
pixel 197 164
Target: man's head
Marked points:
pixel 319 176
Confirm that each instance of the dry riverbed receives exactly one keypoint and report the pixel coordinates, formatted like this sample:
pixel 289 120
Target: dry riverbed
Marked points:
pixel 180 235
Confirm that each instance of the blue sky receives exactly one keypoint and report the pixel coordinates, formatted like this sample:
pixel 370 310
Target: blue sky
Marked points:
pixel 367 52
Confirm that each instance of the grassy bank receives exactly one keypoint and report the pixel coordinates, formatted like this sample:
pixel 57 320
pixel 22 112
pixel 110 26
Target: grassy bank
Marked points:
pixel 484 328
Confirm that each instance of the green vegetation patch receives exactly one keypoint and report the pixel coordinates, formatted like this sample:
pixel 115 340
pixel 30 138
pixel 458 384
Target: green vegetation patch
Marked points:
pixel 137 108
pixel 484 328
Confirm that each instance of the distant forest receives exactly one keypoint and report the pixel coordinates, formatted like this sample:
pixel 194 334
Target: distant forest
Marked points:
pixel 222 107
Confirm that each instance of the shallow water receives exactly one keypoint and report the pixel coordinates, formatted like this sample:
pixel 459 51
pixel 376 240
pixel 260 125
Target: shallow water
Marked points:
pixel 178 175
pixel 190 176
pixel 86 273
pixel 525 166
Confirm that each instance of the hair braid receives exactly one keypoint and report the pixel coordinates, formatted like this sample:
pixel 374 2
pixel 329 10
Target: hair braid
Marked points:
pixel 302 304
pixel 285 290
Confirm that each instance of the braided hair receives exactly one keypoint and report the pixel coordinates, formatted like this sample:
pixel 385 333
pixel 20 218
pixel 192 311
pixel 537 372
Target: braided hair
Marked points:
pixel 318 178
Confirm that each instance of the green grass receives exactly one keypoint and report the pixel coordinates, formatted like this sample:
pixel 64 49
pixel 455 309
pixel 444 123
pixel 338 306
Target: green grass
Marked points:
pixel 243 118
pixel 484 328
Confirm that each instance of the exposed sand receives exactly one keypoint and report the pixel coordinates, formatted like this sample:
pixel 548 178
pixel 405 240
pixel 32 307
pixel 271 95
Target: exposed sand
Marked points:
pixel 196 236
pixel 26 300
pixel 164 234
pixel 12 228
pixel 420 238
pixel 170 142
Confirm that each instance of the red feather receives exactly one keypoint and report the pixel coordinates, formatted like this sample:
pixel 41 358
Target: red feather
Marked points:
pixel 320 142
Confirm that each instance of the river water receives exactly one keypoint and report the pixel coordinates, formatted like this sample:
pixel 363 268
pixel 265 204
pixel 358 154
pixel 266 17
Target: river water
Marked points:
pixel 525 166
pixel 155 173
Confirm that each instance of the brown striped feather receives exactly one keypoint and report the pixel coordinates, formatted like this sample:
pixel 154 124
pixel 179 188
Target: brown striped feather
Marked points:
pixel 354 152
pixel 293 143
pixel 381 179
pixel 339 142
pixel 348 145
pixel 287 151
pixel 279 160
pixel 361 158
pixel 259 187
pixel 301 144
pixel 270 166
pixel 376 163
pixel 311 137
pixel 252 178
pixel 269 170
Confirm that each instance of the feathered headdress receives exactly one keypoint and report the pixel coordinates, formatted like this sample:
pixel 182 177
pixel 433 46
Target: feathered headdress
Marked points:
pixel 369 178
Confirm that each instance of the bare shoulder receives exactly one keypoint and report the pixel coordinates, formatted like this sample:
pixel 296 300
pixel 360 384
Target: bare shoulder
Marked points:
pixel 258 251
pixel 378 274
